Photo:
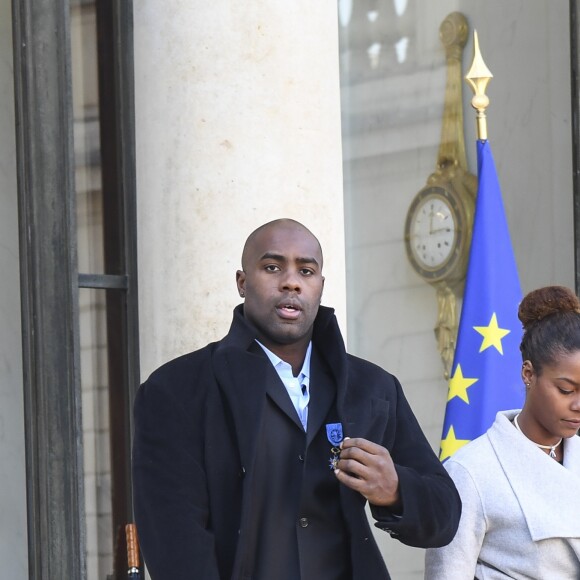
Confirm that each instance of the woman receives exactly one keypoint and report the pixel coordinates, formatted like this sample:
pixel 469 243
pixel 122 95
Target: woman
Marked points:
pixel 520 482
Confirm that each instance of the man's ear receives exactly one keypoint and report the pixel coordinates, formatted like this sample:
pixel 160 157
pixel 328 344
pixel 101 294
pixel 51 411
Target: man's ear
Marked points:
pixel 241 282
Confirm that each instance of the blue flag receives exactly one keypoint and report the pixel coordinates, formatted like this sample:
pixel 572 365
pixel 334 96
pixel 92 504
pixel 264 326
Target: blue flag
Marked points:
pixel 485 376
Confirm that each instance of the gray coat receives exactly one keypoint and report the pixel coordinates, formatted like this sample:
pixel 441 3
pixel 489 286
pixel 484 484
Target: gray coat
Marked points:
pixel 521 510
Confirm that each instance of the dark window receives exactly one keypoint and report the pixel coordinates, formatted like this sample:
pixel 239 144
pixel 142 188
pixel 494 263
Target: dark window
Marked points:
pixel 76 181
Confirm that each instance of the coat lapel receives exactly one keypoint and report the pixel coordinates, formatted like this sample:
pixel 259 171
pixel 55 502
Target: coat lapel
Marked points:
pixel 276 390
pixel 245 377
pixel 541 485
pixel 242 378
pixel 322 394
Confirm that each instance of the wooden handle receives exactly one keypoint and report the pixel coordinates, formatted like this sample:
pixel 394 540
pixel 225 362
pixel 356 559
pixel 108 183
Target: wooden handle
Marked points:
pixel 132 546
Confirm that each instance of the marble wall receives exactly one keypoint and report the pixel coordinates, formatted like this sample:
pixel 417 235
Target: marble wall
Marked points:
pixel 392 102
pixel 13 535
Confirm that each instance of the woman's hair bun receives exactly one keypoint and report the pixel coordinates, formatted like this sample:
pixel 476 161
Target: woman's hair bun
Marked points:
pixel 546 301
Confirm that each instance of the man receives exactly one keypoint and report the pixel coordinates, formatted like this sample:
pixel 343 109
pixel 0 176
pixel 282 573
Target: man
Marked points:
pixel 254 456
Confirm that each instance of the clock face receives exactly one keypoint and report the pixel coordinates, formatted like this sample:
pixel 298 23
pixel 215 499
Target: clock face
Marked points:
pixel 434 233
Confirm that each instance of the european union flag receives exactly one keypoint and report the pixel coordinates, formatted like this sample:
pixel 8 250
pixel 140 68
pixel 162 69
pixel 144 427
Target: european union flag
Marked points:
pixel 485 376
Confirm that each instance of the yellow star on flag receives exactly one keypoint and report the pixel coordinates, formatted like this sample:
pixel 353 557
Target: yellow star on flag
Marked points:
pixel 451 444
pixel 459 384
pixel 492 334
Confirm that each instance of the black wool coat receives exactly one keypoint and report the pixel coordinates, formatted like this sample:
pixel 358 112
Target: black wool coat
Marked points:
pixel 197 421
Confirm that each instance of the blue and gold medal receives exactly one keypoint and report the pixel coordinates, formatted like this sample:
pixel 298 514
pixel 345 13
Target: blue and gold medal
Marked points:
pixel 335 437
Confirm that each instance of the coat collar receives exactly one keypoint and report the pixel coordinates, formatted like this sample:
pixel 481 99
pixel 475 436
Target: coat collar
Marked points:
pixel 244 375
pixel 326 338
pixel 546 491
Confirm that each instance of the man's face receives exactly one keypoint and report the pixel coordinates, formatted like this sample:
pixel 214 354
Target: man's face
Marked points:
pixel 282 283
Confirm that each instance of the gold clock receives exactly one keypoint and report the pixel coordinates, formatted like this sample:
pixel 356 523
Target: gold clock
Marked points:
pixel 440 217
pixel 436 235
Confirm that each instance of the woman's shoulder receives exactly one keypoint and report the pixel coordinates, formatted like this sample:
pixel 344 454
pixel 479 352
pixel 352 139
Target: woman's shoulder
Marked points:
pixel 474 470
pixel 472 461
pixel 471 451
pixel 478 452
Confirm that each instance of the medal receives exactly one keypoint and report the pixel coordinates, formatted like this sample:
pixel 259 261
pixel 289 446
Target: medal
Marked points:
pixel 334 436
pixel 334 458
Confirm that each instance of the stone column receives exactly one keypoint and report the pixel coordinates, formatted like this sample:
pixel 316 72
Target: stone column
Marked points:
pixel 237 123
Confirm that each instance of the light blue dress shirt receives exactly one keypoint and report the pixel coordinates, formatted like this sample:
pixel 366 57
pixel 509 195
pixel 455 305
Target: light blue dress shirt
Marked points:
pixel 298 387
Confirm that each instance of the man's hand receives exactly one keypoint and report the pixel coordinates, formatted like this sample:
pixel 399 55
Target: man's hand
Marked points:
pixel 369 469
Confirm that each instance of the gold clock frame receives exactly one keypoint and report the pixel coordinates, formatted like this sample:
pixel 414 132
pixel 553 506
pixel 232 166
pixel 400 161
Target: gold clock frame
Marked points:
pixel 452 176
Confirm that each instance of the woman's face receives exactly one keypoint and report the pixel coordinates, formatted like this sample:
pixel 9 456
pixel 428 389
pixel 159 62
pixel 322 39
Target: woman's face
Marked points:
pixel 553 398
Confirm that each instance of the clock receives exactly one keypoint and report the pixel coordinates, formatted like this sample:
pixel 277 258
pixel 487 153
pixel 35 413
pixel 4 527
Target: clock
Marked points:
pixel 440 218
pixel 437 234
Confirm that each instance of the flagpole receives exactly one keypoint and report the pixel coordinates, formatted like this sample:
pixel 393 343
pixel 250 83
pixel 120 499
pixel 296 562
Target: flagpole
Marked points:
pixel 485 375
pixel 478 78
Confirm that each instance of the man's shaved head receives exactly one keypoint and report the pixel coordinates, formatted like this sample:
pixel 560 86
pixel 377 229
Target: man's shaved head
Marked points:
pixel 282 223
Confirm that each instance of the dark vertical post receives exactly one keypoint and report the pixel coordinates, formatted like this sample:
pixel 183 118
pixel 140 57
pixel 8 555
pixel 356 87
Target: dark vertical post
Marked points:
pixel 49 289
pixel 115 50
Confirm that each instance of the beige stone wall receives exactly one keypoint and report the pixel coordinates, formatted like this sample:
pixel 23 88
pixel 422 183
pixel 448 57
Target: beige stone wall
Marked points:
pixel 238 123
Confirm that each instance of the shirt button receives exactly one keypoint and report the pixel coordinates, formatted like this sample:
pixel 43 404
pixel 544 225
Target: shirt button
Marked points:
pixel 301 458
pixel 303 522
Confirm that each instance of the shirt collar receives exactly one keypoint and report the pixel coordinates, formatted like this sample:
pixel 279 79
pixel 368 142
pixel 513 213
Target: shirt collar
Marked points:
pixel 283 367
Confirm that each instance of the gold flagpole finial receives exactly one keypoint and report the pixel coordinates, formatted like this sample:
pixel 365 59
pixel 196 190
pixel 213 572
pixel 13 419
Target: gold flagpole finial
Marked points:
pixel 478 77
